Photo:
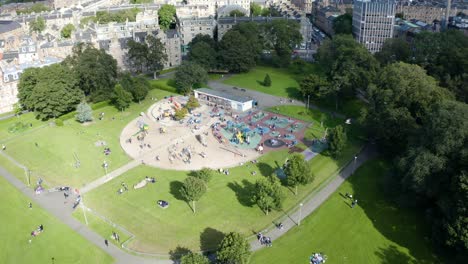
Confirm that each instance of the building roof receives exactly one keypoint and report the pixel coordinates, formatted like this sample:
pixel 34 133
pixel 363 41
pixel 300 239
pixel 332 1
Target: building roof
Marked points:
pixel 228 96
pixel 6 26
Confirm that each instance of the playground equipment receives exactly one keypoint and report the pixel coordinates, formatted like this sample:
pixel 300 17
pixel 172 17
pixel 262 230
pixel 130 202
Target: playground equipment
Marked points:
pixel 239 137
pixel 166 113
pixel 176 105
pixel 162 130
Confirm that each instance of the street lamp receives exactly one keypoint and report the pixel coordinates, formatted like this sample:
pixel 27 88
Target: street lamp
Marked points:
pixel 354 166
pixel 300 214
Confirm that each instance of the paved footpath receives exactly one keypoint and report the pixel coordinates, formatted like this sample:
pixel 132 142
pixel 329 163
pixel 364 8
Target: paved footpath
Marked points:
pixel 54 203
pixel 310 206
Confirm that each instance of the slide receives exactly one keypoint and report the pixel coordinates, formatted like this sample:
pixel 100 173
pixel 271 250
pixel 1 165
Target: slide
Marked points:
pixel 239 137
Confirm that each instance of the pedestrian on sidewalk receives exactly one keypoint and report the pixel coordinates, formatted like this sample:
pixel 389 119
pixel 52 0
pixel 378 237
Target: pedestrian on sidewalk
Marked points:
pixel 106 242
pixel 3 147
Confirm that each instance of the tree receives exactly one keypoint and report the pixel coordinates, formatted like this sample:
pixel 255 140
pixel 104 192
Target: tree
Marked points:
pixel 267 80
pixel 236 13
pixel 445 59
pixel 234 248
pixel 194 258
pixel 203 38
pixel 84 113
pixel 348 66
pixel 400 101
pixel 27 83
pixel 314 85
pixel 49 91
pixel 138 86
pixel 180 113
pixel 189 74
pixel 192 103
pixel 268 194
pixel 17 109
pixel 394 50
pixel 120 98
pixel 192 190
pixel 336 140
pixel 255 9
pixel 282 36
pixel 204 54
pixel 204 174
pixel 297 172
pixel 166 16
pixel 96 70
pixel 343 24
pixel 37 25
pixel 237 55
pixel 156 56
pixel 137 55
pixel 67 30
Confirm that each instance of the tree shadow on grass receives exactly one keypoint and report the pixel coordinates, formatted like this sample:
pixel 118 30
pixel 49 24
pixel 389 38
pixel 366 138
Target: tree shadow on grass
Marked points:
pixel 174 187
pixel 243 192
pixel 403 226
pixel 210 239
pixel 294 93
pixel 177 253
pixel 260 83
pixel 391 255
pixel 265 169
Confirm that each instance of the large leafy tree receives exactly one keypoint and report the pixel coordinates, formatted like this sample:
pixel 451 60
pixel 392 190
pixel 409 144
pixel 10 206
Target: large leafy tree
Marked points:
pixel 297 172
pixel 166 16
pixel 434 171
pixel 204 174
pixel 253 33
pixel 336 140
pixel 446 59
pixel 156 56
pixel 394 50
pixel 139 87
pixel 28 81
pixel 120 98
pixel 343 24
pixel 203 38
pixel 96 70
pixel 234 248
pixel 268 194
pixel 137 55
pixel 189 74
pixel 237 54
pixel 192 190
pixel 203 54
pixel 49 91
pixel 282 36
pixel 194 258
pixel 347 64
pixel 400 102
pixel 314 85
pixel 255 9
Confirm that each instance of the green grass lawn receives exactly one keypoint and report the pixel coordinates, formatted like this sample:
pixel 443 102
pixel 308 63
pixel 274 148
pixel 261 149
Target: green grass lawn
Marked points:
pixel 375 231
pixel 164 84
pixel 283 83
pixel 225 207
pixel 53 157
pixel 57 241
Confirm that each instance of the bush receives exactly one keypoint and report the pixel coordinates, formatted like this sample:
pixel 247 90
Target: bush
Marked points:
pixel 180 113
pixel 267 81
pixel 58 122
pixel 100 105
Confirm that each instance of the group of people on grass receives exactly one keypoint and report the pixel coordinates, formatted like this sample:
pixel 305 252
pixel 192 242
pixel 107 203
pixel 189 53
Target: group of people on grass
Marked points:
pixel 37 231
pixel 317 258
pixel 353 201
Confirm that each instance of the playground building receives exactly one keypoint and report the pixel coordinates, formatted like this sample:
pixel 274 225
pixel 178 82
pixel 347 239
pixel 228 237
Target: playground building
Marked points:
pixel 224 100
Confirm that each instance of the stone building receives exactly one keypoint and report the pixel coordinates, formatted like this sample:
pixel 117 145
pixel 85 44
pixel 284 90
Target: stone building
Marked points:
pixel 190 27
pixel 426 13
pixel 303 5
pixel 12 65
pixel 324 17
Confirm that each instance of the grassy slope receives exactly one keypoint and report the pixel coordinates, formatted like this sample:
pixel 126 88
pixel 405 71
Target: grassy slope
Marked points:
pixel 56 241
pixel 54 159
pixel 282 82
pixel 228 199
pixel 373 232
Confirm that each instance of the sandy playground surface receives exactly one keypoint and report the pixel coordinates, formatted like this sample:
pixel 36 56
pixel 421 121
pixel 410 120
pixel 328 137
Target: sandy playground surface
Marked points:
pixel 179 139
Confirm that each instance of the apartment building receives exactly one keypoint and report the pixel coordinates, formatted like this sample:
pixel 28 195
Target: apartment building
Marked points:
pixel 373 22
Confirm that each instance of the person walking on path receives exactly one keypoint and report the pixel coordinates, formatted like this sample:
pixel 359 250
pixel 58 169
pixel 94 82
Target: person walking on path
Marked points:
pixel 106 242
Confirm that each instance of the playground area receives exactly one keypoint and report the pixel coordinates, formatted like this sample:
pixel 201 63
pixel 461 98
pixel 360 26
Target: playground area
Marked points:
pixel 209 136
